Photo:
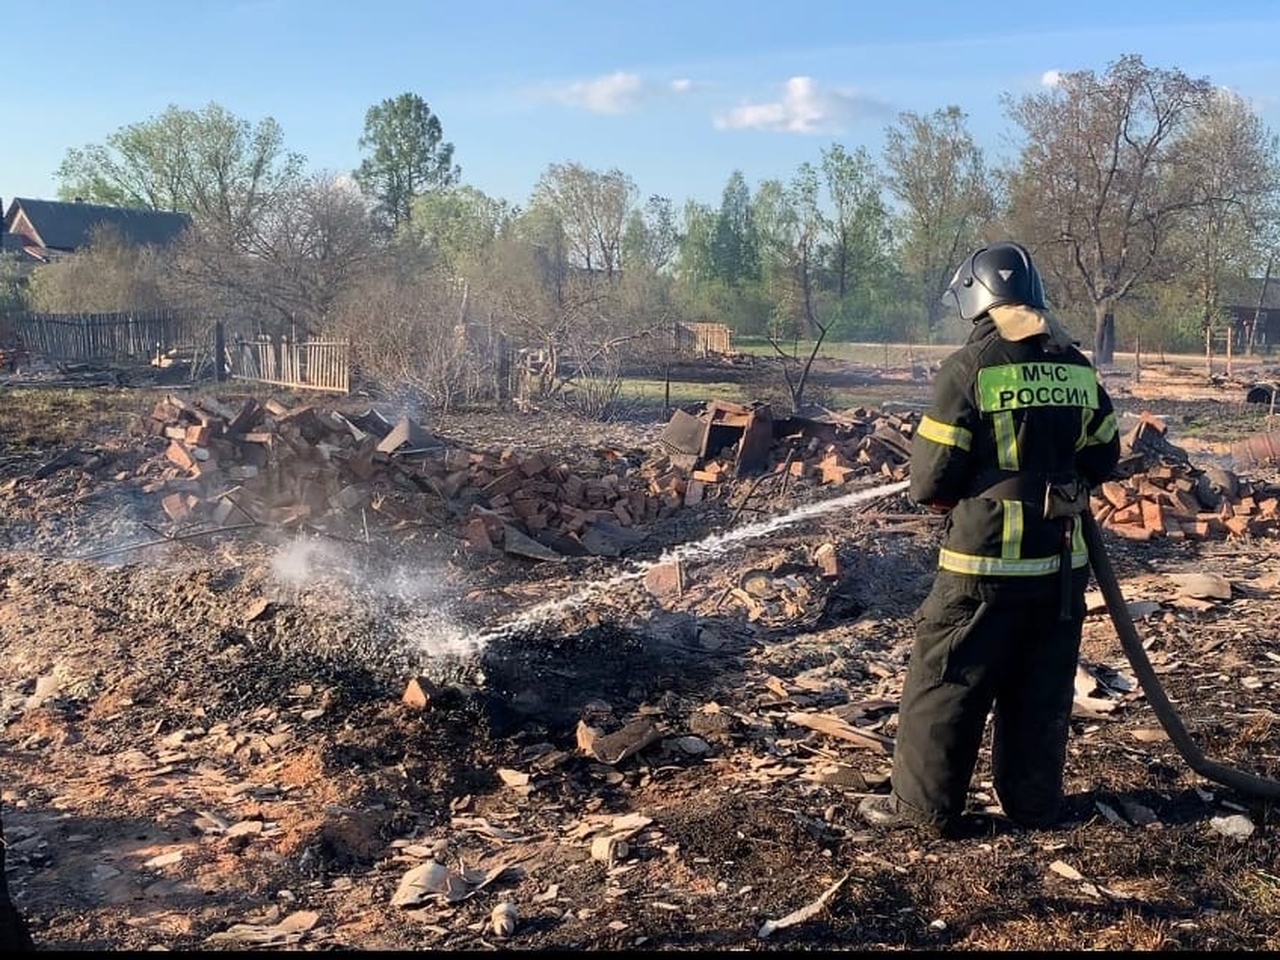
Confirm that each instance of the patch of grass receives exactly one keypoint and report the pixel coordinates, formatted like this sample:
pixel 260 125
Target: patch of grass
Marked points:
pixel 39 417
pixel 1261 891
pixel 682 392
pixel 865 354
pixel 1251 419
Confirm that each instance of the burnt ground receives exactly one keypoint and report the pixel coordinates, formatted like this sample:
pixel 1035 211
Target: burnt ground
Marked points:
pixel 205 744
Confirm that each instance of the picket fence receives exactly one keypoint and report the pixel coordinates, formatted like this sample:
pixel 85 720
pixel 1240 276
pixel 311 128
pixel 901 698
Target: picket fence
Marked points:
pixel 100 336
pixel 303 364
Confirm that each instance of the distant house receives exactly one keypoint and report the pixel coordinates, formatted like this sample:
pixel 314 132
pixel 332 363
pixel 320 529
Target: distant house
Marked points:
pixel 40 231
pixel 1241 301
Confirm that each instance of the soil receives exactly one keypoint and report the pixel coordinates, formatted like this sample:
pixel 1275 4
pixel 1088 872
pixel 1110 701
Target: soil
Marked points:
pixel 306 742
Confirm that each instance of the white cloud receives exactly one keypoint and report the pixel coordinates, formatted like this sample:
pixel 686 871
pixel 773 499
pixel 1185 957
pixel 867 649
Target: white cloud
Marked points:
pixel 1051 78
pixel 804 108
pixel 618 92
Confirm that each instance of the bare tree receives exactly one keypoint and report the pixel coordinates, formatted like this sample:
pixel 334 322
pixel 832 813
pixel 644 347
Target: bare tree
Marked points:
pixel 289 270
pixel 110 275
pixel 403 325
pixel 1097 192
pixel 540 299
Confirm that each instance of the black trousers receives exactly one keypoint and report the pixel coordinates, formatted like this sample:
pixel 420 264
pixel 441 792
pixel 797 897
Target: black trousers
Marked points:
pixel 984 643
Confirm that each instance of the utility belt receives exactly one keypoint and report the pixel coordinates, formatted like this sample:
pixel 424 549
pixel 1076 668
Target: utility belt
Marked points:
pixel 1060 498
pixel 1057 498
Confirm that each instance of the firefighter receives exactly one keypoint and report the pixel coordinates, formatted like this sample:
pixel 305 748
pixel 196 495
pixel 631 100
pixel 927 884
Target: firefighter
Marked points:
pixel 1018 431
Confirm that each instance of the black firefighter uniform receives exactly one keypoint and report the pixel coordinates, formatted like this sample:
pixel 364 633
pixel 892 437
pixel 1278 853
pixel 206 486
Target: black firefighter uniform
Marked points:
pixel 1017 408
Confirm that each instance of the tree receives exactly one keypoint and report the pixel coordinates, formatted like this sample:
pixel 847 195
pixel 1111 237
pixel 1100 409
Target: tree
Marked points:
pixel 939 177
pixel 734 244
pixel 13 293
pixel 315 241
pixel 1097 192
pixel 719 261
pixel 860 271
pixel 651 237
pixel 693 264
pixel 409 156
pixel 211 164
pixel 789 226
pixel 457 224
pixel 592 207
pixel 645 298
pixel 538 296
pixel 1231 159
pixel 402 323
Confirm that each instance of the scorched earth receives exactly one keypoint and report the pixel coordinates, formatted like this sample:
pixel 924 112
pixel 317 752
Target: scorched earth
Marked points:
pixel 289 696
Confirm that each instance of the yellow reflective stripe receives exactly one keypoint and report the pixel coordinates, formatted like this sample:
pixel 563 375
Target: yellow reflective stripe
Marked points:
pixel 996 566
pixel 1006 440
pixel 944 433
pixel 977 566
pixel 1011 531
pixel 1083 439
pixel 1079 552
pixel 1106 430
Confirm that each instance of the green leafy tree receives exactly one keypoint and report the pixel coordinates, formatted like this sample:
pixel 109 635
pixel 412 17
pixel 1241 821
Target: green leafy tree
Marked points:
pixel 455 226
pixel 651 236
pixel 1233 160
pixel 947 200
pixel 693 264
pixel 789 229
pixel 732 290
pixel 408 156
pixel 592 207
pixel 859 258
pixel 734 244
pixel 13 294
pixel 211 164
pixel 645 298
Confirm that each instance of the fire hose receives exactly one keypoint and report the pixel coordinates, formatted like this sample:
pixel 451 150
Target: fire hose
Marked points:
pixel 1168 717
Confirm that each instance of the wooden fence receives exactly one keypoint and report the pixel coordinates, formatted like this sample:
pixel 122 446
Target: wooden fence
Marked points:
pixel 100 336
pixel 306 364
pixel 702 339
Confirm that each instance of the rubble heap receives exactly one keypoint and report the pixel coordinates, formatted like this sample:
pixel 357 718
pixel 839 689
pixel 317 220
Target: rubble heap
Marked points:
pixel 1158 493
pixel 238 459
pixel 230 459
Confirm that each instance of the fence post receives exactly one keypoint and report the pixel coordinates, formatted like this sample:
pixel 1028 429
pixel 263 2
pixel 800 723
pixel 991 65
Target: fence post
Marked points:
pixel 219 352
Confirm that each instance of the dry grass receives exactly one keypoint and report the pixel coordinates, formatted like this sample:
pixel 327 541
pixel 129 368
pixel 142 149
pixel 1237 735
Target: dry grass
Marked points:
pixel 43 417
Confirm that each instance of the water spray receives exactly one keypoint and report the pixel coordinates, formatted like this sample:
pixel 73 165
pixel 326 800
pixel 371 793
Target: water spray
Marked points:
pixel 713 545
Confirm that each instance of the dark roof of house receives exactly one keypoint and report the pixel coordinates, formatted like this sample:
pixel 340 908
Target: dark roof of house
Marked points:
pixel 1244 292
pixel 68 226
pixel 12 243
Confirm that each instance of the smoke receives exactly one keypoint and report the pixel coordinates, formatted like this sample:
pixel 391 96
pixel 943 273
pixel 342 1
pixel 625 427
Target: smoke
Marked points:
pixel 413 600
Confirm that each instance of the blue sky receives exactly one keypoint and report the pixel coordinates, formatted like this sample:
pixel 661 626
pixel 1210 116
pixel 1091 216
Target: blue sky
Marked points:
pixel 678 95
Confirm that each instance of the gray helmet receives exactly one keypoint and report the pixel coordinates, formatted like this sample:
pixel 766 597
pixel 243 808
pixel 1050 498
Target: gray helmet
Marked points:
pixel 994 275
